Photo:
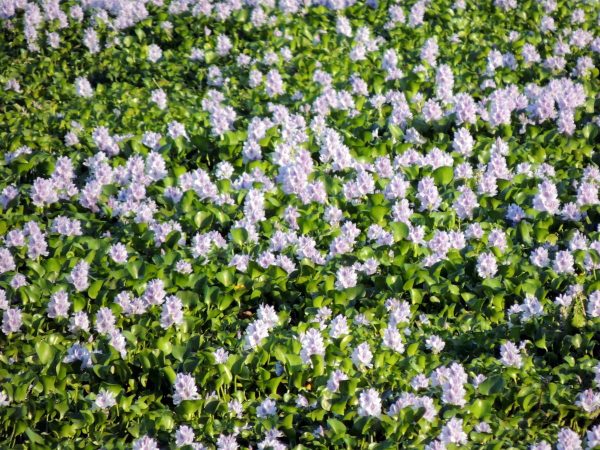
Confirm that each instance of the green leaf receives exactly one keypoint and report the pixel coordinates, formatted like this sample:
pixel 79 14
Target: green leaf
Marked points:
pixel 94 289
pixel 178 352
pixel 379 212
pixel 530 401
pixel 44 351
pixel 492 385
pixel 525 230
pixel 339 407
pixel 202 219
pixel 400 230
pixel 34 437
pixel 239 236
pixel 481 408
pixel 164 345
pixel 443 175
pixel 336 426
pixel 133 268
pixel 225 374
pixel 189 408
pixel 412 349
pixel 226 277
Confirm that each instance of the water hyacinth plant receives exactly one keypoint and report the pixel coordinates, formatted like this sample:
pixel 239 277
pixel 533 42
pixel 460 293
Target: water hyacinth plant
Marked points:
pixel 299 224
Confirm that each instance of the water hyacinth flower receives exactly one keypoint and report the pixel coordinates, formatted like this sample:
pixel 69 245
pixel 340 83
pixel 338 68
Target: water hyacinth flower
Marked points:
pixel 563 262
pixel 83 88
pixel 593 306
pixel 78 322
pixel 486 265
pixel 333 383
pixel 79 276
pixel 419 382
pixel 77 352
pixel 369 403
pixel 463 142
pixel 260 329
pixel 511 355
pixel 312 344
pixel 59 305
pixel 546 200
pixel 176 129
pixel 105 400
pixel 154 53
pixel 159 97
pixel 362 356
pixel 118 253
pixel 428 194
pixel 568 440
pixel 274 83
pixel 593 437
pixel 338 327
pixel 227 442
pixel 435 344
pixel 145 443
pixel 465 109
pixel 530 308
pixel 12 321
pixel 43 192
pixel 155 292
pixel 221 355
pixel 267 408
pixel 183 267
pixel 540 257
pixel 105 321
pixel 393 340
pixel 466 203
pixel 453 433
pixel 589 401
pixel 18 280
pixel 184 388
pixel 7 262
pixel 4 304
pixel 4 400
pixel 346 278
pixel 452 380
pixel 172 312
pixel 184 436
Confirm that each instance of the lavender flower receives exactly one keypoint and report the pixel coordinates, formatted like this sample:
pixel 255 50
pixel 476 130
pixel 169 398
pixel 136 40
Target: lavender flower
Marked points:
pixel 362 356
pixel 83 87
pixel 563 263
pixel 267 408
pixel 346 278
pixel 59 305
pixel 568 440
pixel 118 253
pixel 105 399
pixel 486 265
pixel 12 320
pixel 452 432
pixel 154 53
pixel 79 276
pixel 184 436
pixel 369 403
pixel 172 312
pixel 312 344
pixel 185 388
pixel 593 437
pixel 510 355
pixel 145 443
pixel 428 194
